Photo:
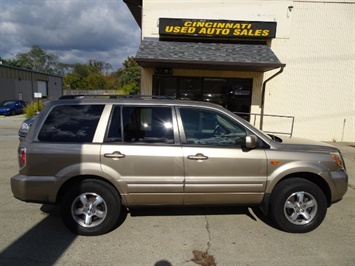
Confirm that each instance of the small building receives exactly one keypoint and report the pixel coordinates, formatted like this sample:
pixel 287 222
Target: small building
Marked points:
pixel 286 66
pixel 22 84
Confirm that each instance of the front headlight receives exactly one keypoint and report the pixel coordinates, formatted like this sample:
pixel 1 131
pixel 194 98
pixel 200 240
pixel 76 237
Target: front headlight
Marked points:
pixel 337 159
pixel 25 126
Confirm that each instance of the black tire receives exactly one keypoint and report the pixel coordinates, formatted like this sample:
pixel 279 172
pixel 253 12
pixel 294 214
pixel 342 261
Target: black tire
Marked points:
pixel 91 207
pixel 298 205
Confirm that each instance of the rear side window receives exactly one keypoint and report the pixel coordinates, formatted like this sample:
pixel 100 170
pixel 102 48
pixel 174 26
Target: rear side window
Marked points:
pixel 141 125
pixel 71 123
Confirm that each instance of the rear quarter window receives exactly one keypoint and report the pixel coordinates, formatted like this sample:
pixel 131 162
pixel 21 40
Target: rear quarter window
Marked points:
pixel 71 123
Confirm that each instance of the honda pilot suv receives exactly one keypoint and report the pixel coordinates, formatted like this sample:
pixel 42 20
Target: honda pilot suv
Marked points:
pixel 98 157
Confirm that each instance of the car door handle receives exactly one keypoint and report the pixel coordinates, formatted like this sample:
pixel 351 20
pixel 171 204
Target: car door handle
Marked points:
pixel 198 156
pixel 114 155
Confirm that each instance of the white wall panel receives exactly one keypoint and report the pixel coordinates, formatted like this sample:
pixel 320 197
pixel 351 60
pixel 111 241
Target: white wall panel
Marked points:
pixel 318 84
pixel 273 11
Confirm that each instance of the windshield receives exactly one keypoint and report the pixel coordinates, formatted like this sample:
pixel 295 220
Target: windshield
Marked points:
pixel 7 103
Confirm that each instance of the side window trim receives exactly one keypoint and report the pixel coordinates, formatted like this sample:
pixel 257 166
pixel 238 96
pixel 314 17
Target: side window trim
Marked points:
pixel 176 125
pixel 103 123
pixel 180 125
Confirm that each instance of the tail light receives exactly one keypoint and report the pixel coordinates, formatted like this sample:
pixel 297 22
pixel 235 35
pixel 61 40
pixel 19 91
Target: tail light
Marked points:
pixel 22 156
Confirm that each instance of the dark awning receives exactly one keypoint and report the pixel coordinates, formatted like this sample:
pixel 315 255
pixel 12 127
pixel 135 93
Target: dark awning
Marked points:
pixel 207 56
pixel 135 6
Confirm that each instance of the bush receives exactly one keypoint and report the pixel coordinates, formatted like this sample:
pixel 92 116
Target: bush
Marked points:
pixel 130 89
pixel 32 108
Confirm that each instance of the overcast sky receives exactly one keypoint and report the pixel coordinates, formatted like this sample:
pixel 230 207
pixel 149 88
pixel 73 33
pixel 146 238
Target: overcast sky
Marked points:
pixel 74 30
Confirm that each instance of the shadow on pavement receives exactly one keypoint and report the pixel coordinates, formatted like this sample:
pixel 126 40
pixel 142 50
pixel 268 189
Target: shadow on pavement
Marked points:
pixel 266 219
pixel 41 245
pixel 190 211
pixel 204 210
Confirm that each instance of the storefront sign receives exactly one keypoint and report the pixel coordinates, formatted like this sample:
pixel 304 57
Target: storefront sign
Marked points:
pixel 216 28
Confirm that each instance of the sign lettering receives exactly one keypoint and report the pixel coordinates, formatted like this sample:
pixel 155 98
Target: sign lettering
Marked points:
pixel 216 28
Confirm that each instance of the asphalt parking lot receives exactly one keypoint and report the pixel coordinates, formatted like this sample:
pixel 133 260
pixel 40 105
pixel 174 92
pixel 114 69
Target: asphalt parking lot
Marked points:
pixel 33 234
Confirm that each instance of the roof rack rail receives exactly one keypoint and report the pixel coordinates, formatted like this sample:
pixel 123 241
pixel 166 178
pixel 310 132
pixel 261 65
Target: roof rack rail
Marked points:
pixel 129 96
pixel 140 96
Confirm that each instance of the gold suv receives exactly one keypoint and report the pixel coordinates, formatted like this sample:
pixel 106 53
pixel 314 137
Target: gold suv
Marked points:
pixel 95 157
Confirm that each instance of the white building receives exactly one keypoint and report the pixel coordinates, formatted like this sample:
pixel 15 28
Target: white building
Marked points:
pixel 277 57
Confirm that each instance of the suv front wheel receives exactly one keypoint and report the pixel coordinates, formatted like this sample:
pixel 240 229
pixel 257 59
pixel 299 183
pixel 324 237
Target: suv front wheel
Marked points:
pixel 298 205
pixel 91 207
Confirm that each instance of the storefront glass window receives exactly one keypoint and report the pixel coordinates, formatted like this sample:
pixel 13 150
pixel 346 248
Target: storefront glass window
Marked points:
pixel 189 89
pixel 215 90
pixel 239 96
pixel 232 93
pixel 165 86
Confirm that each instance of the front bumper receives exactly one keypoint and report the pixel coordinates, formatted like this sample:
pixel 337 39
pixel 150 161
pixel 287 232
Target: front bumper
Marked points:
pixel 340 185
pixel 5 112
pixel 40 189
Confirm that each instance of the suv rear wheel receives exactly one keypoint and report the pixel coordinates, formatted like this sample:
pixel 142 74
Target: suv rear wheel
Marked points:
pixel 298 205
pixel 91 207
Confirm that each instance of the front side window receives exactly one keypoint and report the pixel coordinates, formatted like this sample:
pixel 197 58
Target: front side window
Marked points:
pixel 205 127
pixel 71 123
pixel 142 125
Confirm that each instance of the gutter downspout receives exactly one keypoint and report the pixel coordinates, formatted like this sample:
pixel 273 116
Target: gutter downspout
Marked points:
pixel 263 96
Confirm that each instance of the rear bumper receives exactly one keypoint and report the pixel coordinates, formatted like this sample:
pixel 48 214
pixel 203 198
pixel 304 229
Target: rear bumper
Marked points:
pixel 40 189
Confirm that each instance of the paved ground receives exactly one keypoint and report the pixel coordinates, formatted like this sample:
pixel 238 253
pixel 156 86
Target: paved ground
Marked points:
pixel 33 234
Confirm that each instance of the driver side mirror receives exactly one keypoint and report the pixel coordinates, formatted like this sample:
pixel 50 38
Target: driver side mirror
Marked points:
pixel 251 141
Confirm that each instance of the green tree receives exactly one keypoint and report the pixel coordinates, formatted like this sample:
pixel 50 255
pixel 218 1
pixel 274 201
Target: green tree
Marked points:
pixel 129 62
pixel 73 82
pixel 10 62
pixel 129 76
pixel 40 60
pixel 96 81
pixel 95 76
pixel 99 67
pixel 91 76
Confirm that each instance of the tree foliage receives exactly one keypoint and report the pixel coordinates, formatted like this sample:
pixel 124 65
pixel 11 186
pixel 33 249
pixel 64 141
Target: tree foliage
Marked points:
pixel 91 76
pixel 10 62
pixel 94 75
pixel 129 76
pixel 37 59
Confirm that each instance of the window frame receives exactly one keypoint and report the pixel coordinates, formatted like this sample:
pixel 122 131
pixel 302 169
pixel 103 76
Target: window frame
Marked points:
pixel 50 113
pixel 175 136
pixel 183 137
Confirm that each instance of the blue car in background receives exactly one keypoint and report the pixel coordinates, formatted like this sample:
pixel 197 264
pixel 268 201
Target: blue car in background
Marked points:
pixel 12 107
